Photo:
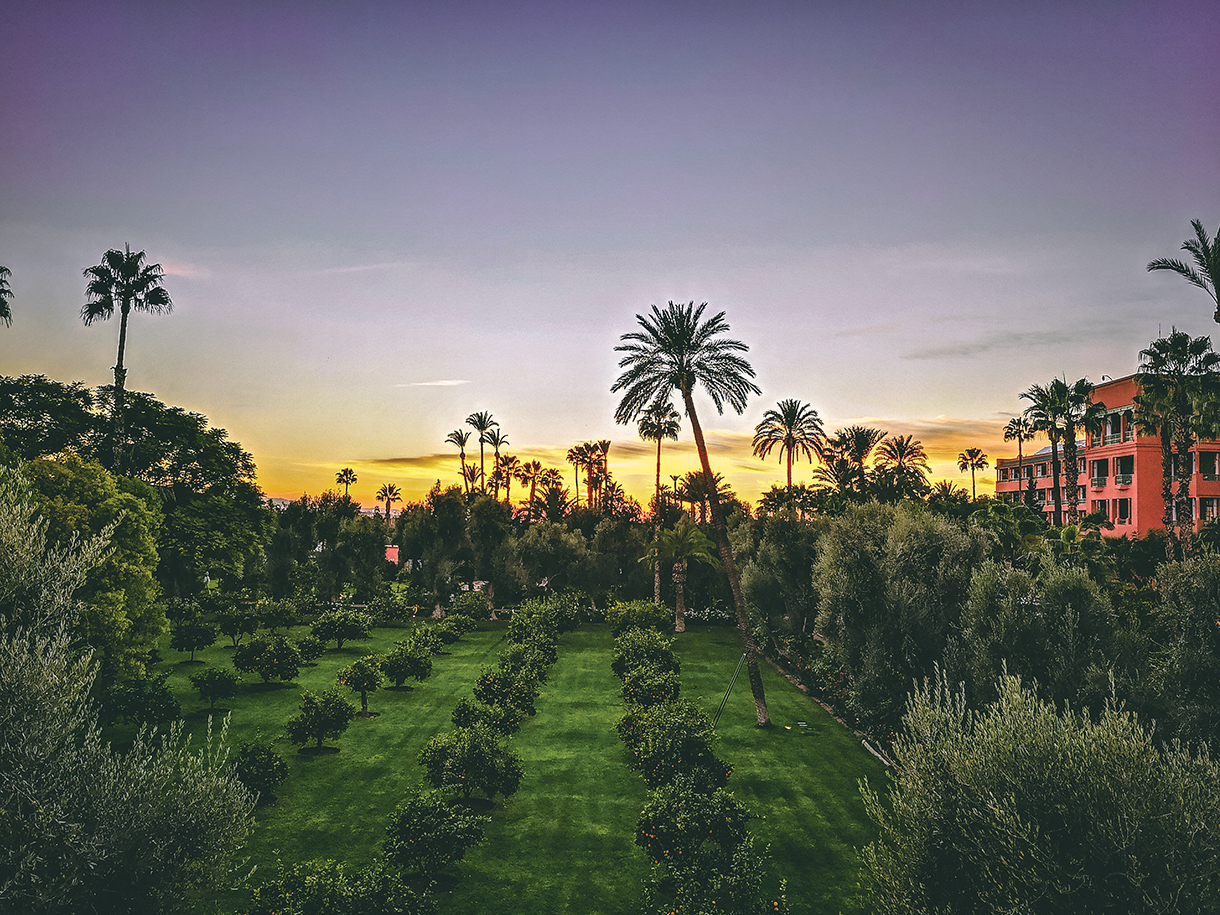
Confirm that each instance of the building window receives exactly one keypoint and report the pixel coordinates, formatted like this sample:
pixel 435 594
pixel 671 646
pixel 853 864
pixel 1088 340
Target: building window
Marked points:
pixel 1100 471
pixel 1207 465
pixel 1208 509
pixel 1100 507
pixel 1122 511
pixel 1041 470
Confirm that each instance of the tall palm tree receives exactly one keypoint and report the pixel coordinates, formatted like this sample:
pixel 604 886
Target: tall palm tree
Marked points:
pixel 123 281
pixel 347 477
pixel 576 457
pixel 460 438
pixel 972 459
pixel 1180 376
pixel 675 349
pixel 845 457
pixel 388 493
pixel 904 466
pixel 510 467
pixel 601 457
pixel 1206 272
pixel 658 423
pixel 795 428
pixel 482 423
pixel 530 474
pixel 681 545
pixel 497 440
pixel 1088 418
pixel 6 296
pixel 1047 406
pixel 1020 429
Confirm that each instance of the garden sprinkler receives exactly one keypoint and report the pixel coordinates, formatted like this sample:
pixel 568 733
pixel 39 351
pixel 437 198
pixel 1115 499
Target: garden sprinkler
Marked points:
pixel 725 700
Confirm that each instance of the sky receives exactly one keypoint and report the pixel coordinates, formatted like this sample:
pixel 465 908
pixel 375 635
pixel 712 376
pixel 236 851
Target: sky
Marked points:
pixel 378 218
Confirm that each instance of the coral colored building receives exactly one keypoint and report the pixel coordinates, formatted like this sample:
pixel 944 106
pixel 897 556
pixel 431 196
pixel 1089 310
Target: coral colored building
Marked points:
pixel 1120 471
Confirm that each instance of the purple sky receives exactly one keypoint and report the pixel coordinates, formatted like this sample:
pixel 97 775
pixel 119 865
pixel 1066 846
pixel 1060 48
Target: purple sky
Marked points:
pixel 911 212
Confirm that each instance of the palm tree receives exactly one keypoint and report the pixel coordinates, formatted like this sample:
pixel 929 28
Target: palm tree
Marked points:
pixel 795 427
pixel 510 467
pixel 6 296
pixel 1206 272
pixel 460 438
pixel 681 545
pixel 1020 429
pixel 388 493
pixel 676 349
pixel 658 423
pixel 845 457
pixel 601 456
pixel 497 440
pixel 1047 406
pixel 972 459
pixel 347 477
pixel 530 474
pixel 1178 380
pixel 576 457
pixel 122 280
pixel 1088 418
pixel 482 423
pixel 904 466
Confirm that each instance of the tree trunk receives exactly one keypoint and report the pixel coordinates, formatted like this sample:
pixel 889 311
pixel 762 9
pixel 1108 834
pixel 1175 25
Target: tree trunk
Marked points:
pixel 679 597
pixel 730 568
pixel 1056 494
pixel 1072 472
pixel 120 386
pixel 1185 521
pixel 1171 539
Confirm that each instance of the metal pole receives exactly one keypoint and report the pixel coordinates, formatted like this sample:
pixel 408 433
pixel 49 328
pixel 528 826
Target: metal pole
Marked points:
pixel 725 700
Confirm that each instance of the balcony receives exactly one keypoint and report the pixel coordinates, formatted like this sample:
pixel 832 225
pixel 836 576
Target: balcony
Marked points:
pixel 1099 482
pixel 1122 479
pixel 1113 438
pixel 1210 477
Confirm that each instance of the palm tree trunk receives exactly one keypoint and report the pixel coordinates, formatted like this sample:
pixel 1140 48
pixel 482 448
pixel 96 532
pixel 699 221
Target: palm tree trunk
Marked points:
pixel 1171 539
pixel 120 385
pixel 533 490
pixel 1072 472
pixel 679 597
pixel 789 470
pixel 730 568
pixel 1056 494
pixel 974 496
pixel 465 479
pixel 1185 521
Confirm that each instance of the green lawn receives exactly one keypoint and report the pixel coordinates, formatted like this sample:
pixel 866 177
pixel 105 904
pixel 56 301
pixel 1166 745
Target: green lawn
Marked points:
pixel 563 843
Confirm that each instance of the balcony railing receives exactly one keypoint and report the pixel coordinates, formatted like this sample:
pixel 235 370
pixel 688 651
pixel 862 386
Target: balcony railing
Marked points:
pixel 1122 479
pixel 1113 438
pixel 1210 477
pixel 1099 482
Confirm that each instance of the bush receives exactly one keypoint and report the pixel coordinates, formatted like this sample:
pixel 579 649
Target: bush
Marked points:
pixel 471 759
pixel 637 647
pixel 216 683
pixel 530 660
pixel 446 632
pixel 470 604
pixel 426 640
pixel 310 648
pixel 681 825
pixel 272 659
pixel 735 888
pixel 1026 807
pixel 323 716
pixel 649 685
pixel 343 625
pixel 672 739
pixel 499 687
pixel 260 769
pixel 503 719
pixel 638 614
pixel 144 700
pixel 407 659
pixel 426 833
pixel 321 887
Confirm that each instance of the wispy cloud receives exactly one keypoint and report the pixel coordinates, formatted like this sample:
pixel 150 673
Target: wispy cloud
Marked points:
pixel 1007 340
pixel 442 383
pixel 190 271
pixel 868 331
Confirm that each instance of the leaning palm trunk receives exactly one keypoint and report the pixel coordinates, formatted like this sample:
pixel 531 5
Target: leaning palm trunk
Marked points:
pixel 730 568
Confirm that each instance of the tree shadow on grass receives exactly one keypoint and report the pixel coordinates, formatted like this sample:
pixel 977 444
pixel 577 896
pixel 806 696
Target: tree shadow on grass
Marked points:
pixel 312 752
pixel 400 689
pixel 187 662
pixel 270 687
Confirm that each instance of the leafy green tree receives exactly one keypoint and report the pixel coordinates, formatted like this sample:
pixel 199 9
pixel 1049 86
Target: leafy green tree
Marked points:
pixel 503 719
pixel 40 417
pixel 260 769
pixel 682 827
pixel 1187 669
pixel 124 618
pixel 1023 807
pixel 648 684
pixel 323 716
pixel 672 740
pixel 310 648
pixel 471 759
pixel 324 887
pixel 342 625
pixel 193 635
pixel 123 281
pixel 1206 270
pixel 676 349
pixel 276 658
pixel 144 700
pixel 237 620
pixel 347 477
pixel 972 459
pixel 551 555
pixel 363 676
pixel 426 833
pixel 6 297
pixel 497 686
pixel 87 827
pixel 407 659
pixel 216 683
pixel 637 647
pixel 795 428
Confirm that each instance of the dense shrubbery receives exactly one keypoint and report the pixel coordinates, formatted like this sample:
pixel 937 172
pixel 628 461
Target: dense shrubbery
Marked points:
pixel 260 769
pixel 471 759
pixel 323 887
pixel 276 658
pixel 638 614
pixel 636 647
pixel 427 833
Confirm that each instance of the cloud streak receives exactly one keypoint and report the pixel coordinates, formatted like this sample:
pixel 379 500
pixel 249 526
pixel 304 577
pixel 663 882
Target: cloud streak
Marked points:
pixel 442 383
